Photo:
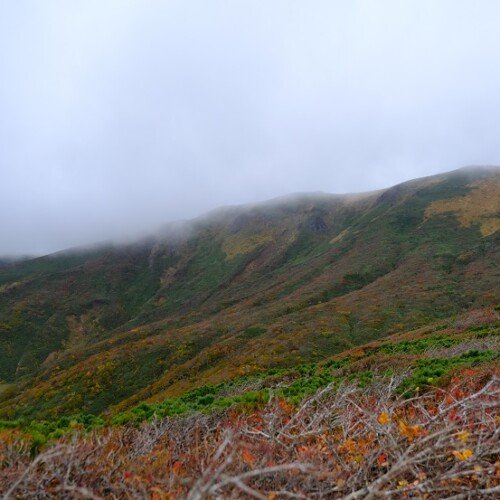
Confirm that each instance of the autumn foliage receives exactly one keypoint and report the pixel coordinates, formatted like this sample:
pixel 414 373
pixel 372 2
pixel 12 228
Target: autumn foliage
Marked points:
pixel 346 442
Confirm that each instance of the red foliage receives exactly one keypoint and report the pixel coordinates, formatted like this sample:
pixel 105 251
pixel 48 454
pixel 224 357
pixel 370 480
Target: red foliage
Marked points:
pixel 349 443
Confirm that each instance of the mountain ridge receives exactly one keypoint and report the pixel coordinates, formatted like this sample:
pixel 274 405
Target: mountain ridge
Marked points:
pixel 251 288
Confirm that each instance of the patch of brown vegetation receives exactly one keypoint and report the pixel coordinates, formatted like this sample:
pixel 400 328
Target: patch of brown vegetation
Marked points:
pixel 480 206
pixel 238 244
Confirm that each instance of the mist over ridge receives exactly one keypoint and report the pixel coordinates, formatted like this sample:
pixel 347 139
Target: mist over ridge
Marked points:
pixel 183 228
pixel 118 117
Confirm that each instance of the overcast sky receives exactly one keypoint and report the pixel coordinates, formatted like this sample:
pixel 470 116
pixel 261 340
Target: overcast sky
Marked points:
pixel 117 116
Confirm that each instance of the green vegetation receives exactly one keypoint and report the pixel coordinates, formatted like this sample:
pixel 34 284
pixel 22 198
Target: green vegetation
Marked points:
pixel 358 366
pixel 420 345
pixel 430 372
pixel 242 292
pixel 327 331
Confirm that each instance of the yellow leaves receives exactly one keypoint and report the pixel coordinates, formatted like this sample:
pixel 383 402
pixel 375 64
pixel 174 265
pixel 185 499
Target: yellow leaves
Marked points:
pixel 349 446
pixel 74 424
pixel 384 418
pixel 242 243
pixel 480 206
pixel 463 454
pixel 410 431
pixel 463 436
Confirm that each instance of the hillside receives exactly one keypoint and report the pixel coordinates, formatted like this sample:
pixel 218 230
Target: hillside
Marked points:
pixel 412 415
pixel 244 290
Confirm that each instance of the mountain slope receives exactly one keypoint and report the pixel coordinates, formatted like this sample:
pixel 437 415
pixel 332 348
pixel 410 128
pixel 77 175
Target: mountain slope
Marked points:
pixel 245 289
pixel 415 413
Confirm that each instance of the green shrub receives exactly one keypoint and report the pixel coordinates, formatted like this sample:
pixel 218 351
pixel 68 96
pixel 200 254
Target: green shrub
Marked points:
pixel 428 372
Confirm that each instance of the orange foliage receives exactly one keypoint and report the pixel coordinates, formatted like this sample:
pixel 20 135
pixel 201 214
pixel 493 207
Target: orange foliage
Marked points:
pixel 337 443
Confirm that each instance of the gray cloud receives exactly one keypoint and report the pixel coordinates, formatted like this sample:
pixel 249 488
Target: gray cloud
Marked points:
pixel 117 116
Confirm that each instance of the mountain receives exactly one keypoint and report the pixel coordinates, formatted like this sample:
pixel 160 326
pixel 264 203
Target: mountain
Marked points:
pixel 244 290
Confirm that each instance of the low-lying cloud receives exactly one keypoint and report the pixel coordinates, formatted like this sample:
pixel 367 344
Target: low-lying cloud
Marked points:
pixel 118 116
